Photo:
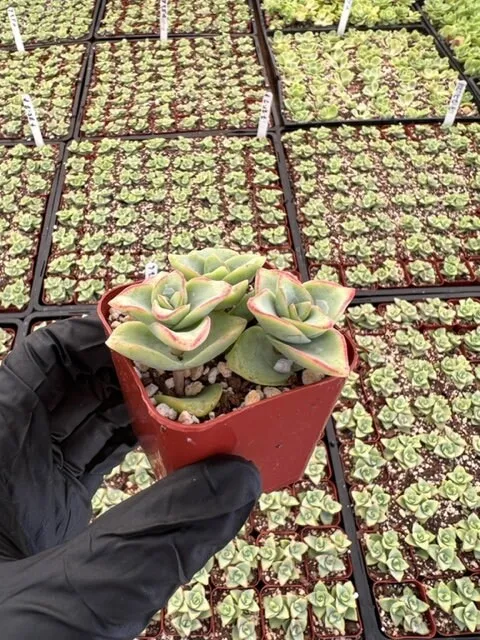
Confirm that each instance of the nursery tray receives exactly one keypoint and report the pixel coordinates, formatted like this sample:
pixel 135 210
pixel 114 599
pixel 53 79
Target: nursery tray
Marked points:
pixel 45 232
pixel 424 29
pixel 28 44
pixel 39 305
pixel 82 107
pixel 364 584
pixel 101 12
pixel 17 327
pixel 79 85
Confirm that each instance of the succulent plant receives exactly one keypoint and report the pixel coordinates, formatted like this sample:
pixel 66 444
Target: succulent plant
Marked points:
pixel 276 506
pixel 317 507
pixel 468 531
pixel 406 612
pixel 295 321
pixel 397 414
pixel 287 612
pixel 368 461
pixel 385 553
pixel 105 498
pixel 239 609
pixel 328 550
pixel 333 607
pixel 419 500
pixel 357 420
pixel 281 557
pixel 371 505
pixel 458 598
pixel 317 465
pixel 239 561
pixel 187 608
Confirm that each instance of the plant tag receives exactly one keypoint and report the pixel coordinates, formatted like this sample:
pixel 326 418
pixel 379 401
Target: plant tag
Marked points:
pixel 265 115
pixel 342 25
pixel 151 269
pixel 15 29
pixel 163 20
pixel 454 105
pixel 32 120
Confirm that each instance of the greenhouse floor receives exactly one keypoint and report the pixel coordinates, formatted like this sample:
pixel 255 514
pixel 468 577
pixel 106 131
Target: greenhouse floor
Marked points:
pixel 151 146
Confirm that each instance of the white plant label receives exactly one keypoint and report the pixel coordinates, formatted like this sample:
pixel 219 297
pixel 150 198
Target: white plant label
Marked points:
pixel 265 115
pixel 163 20
pixel 454 105
pixel 15 29
pixel 151 269
pixel 32 120
pixel 342 25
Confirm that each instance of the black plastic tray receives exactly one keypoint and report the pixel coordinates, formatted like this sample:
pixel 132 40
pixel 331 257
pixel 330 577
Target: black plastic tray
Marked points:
pixel 37 304
pixel 7 316
pixel 368 609
pixel 77 133
pixel 79 85
pixel 140 36
pixel 48 43
pixel 426 29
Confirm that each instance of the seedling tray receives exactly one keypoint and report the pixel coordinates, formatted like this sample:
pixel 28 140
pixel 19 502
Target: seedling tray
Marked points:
pixel 75 106
pixel 364 585
pixel 29 44
pixel 341 261
pixel 287 124
pixel 36 261
pixel 42 262
pixel 14 327
pixel 102 12
pixel 83 107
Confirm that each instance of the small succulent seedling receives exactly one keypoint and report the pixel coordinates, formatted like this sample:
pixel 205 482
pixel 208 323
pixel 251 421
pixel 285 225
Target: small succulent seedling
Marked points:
pixel 277 507
pixel 288 612
pixel 187 608
pixel 460 599
pixel 282 557
pixel 406 612
pixel 371 505
pixel 334 606
pixel 239 560
pixel 239 609
pixel 385 553
pixel 328 552
pixel 317 507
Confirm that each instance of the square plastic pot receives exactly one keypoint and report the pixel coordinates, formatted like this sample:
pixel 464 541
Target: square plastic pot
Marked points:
pixel 278 434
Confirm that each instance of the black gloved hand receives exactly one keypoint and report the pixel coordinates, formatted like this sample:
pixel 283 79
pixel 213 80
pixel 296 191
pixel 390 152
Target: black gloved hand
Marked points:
pixel 62 427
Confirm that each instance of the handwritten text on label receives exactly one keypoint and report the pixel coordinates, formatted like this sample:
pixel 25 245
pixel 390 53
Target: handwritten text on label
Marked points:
pixel 265 115
pixel 32 120
pixel 15 29
pixel 455 102
pixel 163 20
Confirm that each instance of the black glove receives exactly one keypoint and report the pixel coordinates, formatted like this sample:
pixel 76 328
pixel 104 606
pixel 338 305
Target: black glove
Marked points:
pixel 63 425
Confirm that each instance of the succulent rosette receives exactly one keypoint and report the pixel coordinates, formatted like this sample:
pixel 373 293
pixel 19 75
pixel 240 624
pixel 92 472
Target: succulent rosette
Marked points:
pixel 295 322
pixel 175 325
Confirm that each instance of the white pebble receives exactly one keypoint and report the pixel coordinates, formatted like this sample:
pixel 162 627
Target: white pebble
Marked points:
pixel 309 377
pixel 283 365
pixel 224 370
pixel 187 418
pixel 166 411
pixel 211 415
pixel 193 389
pixel 224 384
pixel 151 389
pixel 170 383
pixel 252 397
pixel 212 375
pixel 271 391
pixel 196 372
pixel 141 367
pixel 115 324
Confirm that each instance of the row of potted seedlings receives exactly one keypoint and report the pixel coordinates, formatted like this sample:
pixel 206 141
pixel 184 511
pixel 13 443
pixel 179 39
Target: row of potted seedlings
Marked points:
pixel 459 24
pixel 280 14
pixel 408 426
pixel 278 577
pixel 131 17
pixel 364 75
pixel 63 20
pixel 186 84
pixel 25 184
pixel 50 76
pixel 125 203
pixel 392 206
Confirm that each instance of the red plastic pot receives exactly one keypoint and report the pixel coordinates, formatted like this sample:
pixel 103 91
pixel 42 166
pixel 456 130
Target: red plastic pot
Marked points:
pixel 278 434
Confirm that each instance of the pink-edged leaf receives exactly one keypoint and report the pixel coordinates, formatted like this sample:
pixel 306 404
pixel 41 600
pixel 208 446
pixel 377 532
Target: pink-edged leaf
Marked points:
pixel 169 317
pixel 268 279
pixel 136 300
pixel 203 295
pixel 243 267
pixel 332 298
pixel 224 330
pixel 316 324
pixel 187 340
pixel 262 306
pixel 135 341
pixel 237 293
pixel 326 355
